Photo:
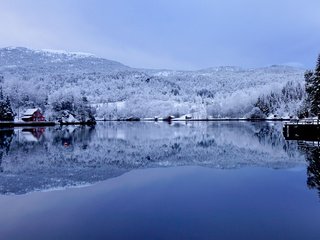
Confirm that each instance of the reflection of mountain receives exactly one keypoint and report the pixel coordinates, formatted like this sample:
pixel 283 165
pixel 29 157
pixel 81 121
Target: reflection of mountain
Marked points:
pixel 72 156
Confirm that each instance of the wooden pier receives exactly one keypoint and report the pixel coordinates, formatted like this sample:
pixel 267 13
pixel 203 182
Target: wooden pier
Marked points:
pixel 307 129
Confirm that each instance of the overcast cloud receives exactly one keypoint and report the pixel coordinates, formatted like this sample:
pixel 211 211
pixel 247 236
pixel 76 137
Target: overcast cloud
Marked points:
pixel 176 34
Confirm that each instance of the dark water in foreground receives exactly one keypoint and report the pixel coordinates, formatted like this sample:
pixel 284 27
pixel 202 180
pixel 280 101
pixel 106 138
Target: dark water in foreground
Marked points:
pixel 158 181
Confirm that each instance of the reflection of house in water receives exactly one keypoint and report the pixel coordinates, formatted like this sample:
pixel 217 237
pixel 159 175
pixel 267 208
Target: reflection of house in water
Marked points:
pixel 32 134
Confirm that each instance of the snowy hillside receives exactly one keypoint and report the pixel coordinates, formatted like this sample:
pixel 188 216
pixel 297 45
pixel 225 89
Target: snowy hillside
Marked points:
pixel 27 61
pixel 35 78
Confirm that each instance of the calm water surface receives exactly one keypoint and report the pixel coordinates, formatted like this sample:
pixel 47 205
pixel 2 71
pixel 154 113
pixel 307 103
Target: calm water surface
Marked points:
pixel 151 180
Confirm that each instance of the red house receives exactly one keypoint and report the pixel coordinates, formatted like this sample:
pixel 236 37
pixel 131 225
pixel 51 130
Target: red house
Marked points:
pixel 33 115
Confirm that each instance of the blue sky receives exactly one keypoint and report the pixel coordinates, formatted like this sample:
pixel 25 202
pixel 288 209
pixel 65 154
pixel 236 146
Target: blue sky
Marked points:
pixel 176 34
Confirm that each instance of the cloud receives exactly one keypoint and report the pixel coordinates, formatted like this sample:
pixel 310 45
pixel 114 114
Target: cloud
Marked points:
pixel 169 34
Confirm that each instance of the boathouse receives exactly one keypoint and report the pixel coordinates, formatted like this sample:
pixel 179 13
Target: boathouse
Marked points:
pixel 33 115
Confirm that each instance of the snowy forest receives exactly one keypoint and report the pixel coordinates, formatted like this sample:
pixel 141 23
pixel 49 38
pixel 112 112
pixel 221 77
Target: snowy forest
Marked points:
pixel 311 105
pixel 89 87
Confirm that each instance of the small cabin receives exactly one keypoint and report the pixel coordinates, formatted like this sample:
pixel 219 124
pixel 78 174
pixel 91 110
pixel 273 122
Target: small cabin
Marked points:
pixel 33 115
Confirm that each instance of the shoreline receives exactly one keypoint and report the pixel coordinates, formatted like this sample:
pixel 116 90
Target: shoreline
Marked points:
pixel 49 124
pixel 198 120
pixel 41 124
pixel 26 124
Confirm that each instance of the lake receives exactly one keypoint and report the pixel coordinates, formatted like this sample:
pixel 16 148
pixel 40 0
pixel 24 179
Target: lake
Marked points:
pixel 154 180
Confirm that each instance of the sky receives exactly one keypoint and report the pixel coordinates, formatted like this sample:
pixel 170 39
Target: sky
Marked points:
pixel 172 34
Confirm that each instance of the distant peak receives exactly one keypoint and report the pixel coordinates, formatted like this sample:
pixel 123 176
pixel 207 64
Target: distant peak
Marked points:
pixel 11 48
pixel 52 51
pixel 285 67
pixel 223 68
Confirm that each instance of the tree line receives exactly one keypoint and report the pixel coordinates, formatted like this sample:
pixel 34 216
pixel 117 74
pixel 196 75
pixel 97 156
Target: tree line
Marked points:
pixel 311 106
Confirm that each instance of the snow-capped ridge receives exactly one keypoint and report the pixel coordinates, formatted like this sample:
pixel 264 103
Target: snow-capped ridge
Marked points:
pixel 223 69
pixel 50 52
pixel 71 54
pixel 54 61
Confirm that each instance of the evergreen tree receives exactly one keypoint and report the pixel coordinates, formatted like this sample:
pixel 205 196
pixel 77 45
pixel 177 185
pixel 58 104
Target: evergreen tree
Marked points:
pixel 316 89
pixel 1 94
pixel 2 110
pixel 312 88
pixel 9 115
pixel 6 113
pixel 2 106
pixel 263 106
pixel 85 112
pixel 317 71
pixel 305 110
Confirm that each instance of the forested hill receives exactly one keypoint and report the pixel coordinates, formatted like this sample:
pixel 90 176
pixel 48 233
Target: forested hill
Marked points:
pixel 41 78
pixel 54 62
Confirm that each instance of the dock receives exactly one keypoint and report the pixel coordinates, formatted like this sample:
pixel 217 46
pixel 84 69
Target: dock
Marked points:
pixel 306 129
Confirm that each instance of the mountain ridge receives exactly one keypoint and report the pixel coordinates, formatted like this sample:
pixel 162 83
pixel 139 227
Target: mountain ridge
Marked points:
pixel 52 53
pixel 39 78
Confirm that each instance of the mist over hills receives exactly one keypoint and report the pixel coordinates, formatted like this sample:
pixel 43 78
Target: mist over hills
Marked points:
pixel 38 78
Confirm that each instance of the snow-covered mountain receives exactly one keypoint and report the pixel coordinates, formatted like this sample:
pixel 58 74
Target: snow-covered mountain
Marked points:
pixel 27 61
pixel 41 77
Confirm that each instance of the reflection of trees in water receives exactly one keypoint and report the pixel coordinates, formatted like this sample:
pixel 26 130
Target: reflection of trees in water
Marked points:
pixel 312 152
pixel 5 141
pixel 271 135
pixel 70 136
pixel 52 146
pixel 70 155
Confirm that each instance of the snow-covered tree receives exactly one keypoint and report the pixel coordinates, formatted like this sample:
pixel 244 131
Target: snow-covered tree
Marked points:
pixel 68 103
pixel 283 101
pixel 84 112
pixel 6 113
pixel 312 87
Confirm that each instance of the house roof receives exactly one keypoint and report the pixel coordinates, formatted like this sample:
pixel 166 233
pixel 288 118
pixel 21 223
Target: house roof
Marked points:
pixel 26 117
pixel 30 111
pixel 29 137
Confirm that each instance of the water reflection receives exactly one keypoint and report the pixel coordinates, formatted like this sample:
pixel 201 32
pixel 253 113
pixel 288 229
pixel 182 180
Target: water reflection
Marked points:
pixel 312 153
pixel 37 158
pixel 33 134
pixel 5 141
pixel 71 136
